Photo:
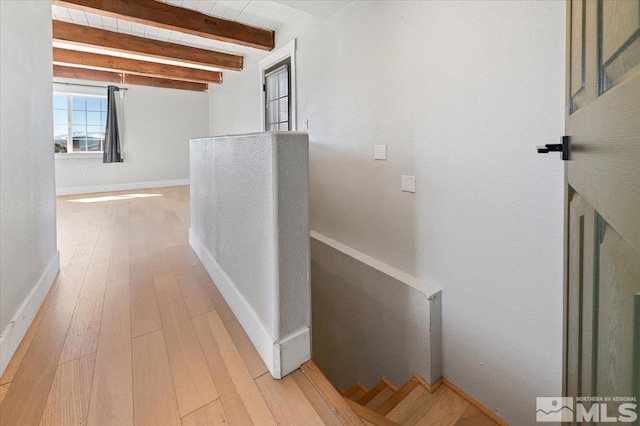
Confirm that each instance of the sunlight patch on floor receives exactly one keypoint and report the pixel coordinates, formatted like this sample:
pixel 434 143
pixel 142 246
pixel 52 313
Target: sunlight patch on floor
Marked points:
pixel 113 198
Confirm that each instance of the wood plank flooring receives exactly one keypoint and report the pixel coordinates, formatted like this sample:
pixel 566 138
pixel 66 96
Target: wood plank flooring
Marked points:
pixel 134 331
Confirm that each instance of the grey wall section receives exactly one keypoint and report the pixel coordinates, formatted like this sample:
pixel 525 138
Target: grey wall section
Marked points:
pixel 367 325
pixel 27 195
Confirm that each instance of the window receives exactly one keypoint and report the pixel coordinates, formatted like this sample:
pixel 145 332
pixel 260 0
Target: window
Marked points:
pixel 277 101
pixel 79 123
pixel 278 80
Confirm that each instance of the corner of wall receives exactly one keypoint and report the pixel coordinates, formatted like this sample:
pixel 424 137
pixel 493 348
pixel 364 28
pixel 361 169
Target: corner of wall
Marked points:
pixel 15 331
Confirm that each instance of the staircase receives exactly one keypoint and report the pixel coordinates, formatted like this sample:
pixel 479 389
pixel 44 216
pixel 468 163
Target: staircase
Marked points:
pixel 415 403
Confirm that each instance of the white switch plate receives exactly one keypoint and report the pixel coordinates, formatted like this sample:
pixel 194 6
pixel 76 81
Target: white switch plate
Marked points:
pixel 379 152
pixel 408 183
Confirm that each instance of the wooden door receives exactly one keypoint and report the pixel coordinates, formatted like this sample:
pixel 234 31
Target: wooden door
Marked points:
pixel 602 256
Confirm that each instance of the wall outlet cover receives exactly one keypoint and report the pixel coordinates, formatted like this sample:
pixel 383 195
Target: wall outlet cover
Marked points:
pixel 408 183
pixel 380 152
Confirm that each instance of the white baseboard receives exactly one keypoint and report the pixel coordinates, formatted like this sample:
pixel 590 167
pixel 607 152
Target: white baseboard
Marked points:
pixel 121 187
pixel 292 352
pixel 13 334
pixel 281 357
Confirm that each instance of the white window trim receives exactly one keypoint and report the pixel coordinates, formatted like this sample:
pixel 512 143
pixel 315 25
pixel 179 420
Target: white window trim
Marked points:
pixel 284 52
pixel 79 154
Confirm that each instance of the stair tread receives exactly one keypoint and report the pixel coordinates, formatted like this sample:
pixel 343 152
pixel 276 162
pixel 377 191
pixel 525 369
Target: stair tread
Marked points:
pixel 357 387
pixel 356 396
pixel 415 405
pixel 474 417
pixel 369 415
pixel 447 410
pixel 380 398
pixel 389 404
pixel 372 393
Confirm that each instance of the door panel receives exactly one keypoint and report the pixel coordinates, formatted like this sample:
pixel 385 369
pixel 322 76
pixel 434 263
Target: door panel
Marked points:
pixel 619 40
pixel 602 293
pixel 577 52
pixel 618 312
pixel 580 297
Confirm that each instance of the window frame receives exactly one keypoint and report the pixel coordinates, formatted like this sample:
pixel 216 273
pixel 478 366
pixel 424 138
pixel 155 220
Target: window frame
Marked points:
pixel 70 95
pixel 285 63
pixel 280 55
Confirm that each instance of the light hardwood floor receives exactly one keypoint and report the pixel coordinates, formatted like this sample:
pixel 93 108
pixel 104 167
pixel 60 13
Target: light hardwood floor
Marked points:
pixel 133 331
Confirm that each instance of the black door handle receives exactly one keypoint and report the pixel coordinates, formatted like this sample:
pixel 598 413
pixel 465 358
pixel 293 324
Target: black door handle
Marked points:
pixel 563 148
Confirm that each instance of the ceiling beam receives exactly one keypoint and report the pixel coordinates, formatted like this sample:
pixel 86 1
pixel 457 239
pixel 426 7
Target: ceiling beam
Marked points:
pixel 87 36
pixel 162 15
pixel 86 74
pixel 136 80
pixel 141 80
pixel 151 69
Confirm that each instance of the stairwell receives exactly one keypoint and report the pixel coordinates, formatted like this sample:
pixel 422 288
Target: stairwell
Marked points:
pixel 414 403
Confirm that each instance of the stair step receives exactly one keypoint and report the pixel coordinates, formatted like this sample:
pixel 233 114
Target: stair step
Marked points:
pixel 389 404
pixel 390 385
pixel 368 415
pixel 415 405
pixel 380 398
pixel 446 411
pixel 364 400
pixel 357 395
pixel 474 417
pixel 357 387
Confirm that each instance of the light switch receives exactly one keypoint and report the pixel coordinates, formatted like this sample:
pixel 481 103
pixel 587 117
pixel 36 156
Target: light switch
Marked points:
pixel 305 125
pixel 408 183
pixel 379 152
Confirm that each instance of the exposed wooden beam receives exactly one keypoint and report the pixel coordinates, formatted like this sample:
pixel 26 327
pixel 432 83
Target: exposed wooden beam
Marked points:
pixel 133 66
pixel 142 80
pixel 162 15
pixel 87 36
pixel 114 77
pixel 86 74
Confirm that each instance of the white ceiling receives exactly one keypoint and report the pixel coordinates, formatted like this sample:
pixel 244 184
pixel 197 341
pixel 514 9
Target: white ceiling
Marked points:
pixel 258 13
pixel 324 8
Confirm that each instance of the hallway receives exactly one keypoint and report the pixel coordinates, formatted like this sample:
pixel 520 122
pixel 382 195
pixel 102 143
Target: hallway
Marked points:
pixel 134 331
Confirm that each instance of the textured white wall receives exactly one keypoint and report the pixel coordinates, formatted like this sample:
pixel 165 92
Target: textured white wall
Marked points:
pixel 156 126
pixel 460 92
pixel 250 227
pixel 27 195
pixel 232 215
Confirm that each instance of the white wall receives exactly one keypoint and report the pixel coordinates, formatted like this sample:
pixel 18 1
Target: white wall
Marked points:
pixel 461 92
pixel 28 254
pixel 250 228
pixel 156 125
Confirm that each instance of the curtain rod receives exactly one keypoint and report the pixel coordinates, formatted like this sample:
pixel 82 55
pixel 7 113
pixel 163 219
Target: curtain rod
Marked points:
pixel 88 85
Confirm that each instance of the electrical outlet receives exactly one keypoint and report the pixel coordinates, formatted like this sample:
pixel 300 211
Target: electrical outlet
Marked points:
pixel 379 152
pixel 80 169
pixel 408 183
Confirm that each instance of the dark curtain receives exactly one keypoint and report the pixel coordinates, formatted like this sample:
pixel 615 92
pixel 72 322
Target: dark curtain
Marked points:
pixel 112 153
